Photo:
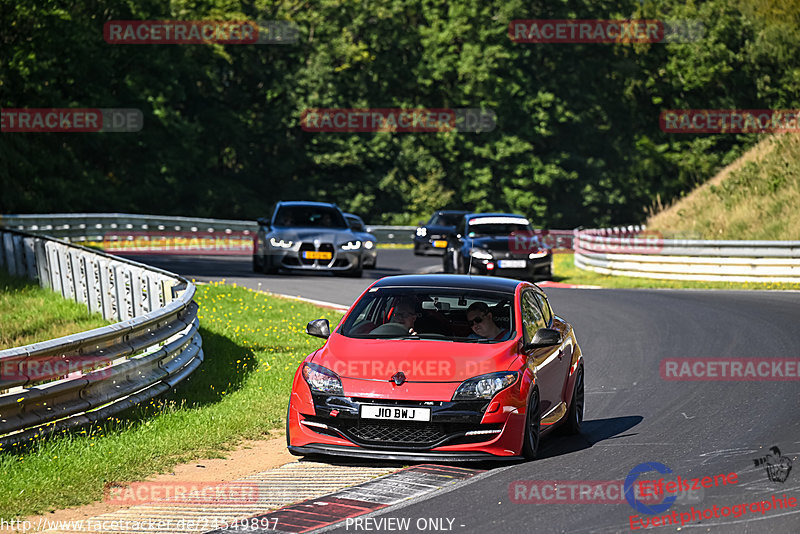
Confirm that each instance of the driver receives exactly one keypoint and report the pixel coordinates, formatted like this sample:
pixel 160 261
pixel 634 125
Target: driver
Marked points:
pixel 402 319
pixel 480 319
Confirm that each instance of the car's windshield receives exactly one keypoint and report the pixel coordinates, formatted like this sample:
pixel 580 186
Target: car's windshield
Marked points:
pixel 445 219
pixel 495 226
pixel 459 315
pixel 309 216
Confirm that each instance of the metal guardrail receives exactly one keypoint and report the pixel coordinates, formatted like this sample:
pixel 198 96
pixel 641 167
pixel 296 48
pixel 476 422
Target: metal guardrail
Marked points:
pixel 89 376
pixel 96 227
pixel 636 252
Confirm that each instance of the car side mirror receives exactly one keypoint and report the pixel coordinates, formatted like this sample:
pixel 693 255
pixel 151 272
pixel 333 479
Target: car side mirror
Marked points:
pixel 421 223
pixel 544 337
pixel 263 222
pixel 319 328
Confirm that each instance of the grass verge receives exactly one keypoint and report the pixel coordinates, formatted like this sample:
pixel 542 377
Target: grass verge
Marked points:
pixel 756 197
pixel 29 313
pixel 564 271
pixel 252 343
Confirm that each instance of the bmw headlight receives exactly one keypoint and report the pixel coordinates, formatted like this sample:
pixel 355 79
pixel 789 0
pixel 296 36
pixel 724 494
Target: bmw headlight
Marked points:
pixel 422 231
pixel 480 254
pixel 322 380
pixel 352 245
pixel 368 244
pixel 484 386
pixel 280 243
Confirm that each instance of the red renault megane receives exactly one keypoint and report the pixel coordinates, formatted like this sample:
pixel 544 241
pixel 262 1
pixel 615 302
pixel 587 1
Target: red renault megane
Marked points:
pixel 438 367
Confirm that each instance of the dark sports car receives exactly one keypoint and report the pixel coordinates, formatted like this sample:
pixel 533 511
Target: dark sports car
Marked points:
pixel 438 367
pixel 431 237
pixel 307 236
pixel 498 244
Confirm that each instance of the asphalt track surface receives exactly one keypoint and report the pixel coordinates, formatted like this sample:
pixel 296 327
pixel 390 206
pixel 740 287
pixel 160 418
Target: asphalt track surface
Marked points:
pixel 697 429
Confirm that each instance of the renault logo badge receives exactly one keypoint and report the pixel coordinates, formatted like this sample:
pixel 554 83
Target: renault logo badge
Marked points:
pixel 399 378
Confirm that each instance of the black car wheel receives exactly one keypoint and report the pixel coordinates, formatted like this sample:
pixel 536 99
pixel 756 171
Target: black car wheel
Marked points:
pixel 447 262
pixel 575 414
pixel 530 444
pixel 258 264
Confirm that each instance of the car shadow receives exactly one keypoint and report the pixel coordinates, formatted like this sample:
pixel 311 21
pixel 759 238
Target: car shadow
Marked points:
pixel 592 431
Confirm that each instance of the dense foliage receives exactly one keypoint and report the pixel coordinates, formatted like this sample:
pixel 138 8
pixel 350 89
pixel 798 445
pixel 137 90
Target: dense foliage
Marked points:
pixel 577 139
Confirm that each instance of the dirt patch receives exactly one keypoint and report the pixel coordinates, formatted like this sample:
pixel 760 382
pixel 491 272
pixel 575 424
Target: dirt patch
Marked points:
pixel 248 458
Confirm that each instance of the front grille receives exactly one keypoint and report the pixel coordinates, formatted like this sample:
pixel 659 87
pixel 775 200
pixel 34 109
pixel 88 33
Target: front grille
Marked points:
pixel 305 247
pixel 308 246
pixel 399 433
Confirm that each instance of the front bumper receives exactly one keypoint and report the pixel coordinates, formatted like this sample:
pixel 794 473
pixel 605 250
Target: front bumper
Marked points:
pixel 293 258
pixel 469 430
pixel 534 268
pixel 430 456
pixel 423 246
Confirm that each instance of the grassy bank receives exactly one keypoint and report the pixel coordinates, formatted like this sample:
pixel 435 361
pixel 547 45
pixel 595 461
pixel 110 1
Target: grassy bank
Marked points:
pixel 564 270
pixel 29 313
pixel 756 197
pixel 252 344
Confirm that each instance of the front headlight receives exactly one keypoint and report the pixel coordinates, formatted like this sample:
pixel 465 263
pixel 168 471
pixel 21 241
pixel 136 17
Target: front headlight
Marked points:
pixel 422 231
pixel 351 245
pixel 480 254
pixel 280 243
pixel 484 386
pixel 322 380
pixel 368 244
pixel 539 254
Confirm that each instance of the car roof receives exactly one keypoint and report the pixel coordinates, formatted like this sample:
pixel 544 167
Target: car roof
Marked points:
pixel 456 281
pixel 448 212
pixel 479 215
pixel 306 203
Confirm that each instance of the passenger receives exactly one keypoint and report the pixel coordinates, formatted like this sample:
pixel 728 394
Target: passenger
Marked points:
pixel 480 319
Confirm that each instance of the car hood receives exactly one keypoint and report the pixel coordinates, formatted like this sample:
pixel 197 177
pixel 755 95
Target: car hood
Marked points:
pixel 420 360
pixel 325 235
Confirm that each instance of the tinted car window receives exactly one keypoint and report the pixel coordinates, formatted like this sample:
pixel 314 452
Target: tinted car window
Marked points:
pixel 440 313
pixel 532 318
pixel 547 313
pixel 310 217
pixel 355 224
pixel 498 226
pixel 445 219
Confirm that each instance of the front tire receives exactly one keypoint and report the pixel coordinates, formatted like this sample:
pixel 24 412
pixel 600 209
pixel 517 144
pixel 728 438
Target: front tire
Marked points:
pixel 575 413
pixel 530 442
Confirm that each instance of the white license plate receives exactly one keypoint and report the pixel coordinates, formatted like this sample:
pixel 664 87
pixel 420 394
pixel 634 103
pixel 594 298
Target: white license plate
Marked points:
pixel 512 264
pixel 396 413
